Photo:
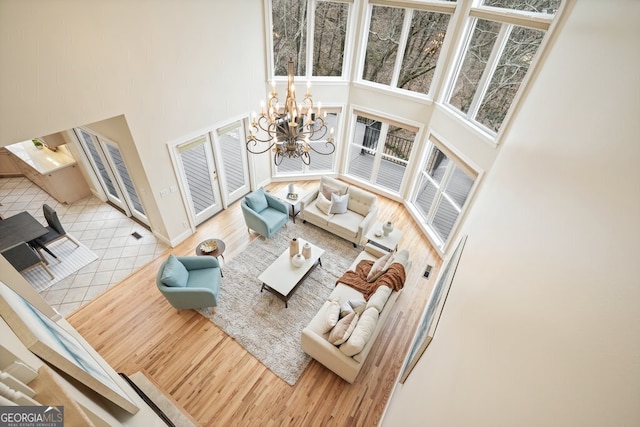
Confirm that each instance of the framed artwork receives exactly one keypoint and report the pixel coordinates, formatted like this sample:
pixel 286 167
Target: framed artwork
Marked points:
pixel 55 345
pixel 433 310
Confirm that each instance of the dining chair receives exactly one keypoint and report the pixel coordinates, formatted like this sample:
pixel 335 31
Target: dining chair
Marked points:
pixel 55 229
pixel 22 258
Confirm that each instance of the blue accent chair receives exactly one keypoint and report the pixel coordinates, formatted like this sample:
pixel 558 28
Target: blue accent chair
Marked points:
pixel 190 281
pixel 264 213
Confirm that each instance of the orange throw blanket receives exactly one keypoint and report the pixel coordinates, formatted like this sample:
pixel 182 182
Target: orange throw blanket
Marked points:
pixel 394 278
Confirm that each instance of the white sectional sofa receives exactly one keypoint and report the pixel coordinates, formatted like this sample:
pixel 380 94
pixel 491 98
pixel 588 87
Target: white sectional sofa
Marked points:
pixel 354 223
pixel 339 358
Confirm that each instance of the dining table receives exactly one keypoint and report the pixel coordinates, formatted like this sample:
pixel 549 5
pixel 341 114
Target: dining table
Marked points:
pixel 20 228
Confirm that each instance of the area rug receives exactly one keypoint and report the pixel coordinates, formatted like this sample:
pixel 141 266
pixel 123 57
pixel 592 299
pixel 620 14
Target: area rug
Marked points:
pixel 258 320
pixel 72 259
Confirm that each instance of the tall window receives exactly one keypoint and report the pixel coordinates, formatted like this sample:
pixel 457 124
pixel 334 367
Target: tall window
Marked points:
pixel 312 33
pixel 403 46
pixel 379 151
pixel 500 47
pixel 445 183
pixel 319 162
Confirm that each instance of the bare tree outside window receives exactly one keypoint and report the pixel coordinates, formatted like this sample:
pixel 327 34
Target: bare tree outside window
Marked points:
pixel 330 32
pixel 540 6
pixel 421 54
pixel 479 49
pixel 514 63
pixel 382 45
pixel 289 35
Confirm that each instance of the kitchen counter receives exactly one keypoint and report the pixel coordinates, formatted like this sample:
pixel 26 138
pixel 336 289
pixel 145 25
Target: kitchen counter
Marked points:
pixel 56 172
pixel 44 160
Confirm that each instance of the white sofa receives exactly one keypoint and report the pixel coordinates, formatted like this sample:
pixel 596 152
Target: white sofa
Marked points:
pixel 315 340
pixel 352 225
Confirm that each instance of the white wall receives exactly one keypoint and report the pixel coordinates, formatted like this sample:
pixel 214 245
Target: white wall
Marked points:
pixel 542 324
pixel 170 67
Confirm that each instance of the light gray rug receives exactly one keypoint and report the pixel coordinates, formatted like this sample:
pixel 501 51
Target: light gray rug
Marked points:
pixel 258 320
pixel 71 258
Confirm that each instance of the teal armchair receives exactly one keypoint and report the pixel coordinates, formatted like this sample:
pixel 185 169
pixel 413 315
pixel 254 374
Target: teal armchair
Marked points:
pixel 264 213
pixel 190 281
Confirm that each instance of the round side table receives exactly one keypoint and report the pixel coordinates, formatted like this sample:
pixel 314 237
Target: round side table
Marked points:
pixel 219 252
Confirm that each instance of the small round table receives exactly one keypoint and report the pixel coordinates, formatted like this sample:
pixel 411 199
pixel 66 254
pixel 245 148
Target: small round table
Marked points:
pixel 217 253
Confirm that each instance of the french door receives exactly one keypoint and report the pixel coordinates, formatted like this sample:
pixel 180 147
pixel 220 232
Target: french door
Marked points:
pixel 213 170
pixel 112 173
pixel 200 181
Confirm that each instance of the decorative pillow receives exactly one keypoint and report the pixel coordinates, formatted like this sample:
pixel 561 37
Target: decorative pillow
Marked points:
pixel 361 333
pixel 358 305
pixel 323 204
pixel 331 316
pixel 379 267
pixel 339 203
pixel 328 191
pixel 352 305
pixel 174 274
pixel 257 200
pixel 345 309
pixel 379 298
pixel 340 333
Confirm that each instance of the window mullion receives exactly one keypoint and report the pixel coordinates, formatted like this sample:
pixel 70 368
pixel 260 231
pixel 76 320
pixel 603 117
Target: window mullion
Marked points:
pixel 487 74
pixel 404 36
pixel 311 22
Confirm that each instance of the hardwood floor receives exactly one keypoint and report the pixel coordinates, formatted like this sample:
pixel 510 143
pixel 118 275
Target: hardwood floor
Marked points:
pixel 219 383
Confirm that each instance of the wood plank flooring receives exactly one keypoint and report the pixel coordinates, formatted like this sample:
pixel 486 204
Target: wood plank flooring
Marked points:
pixel 219 383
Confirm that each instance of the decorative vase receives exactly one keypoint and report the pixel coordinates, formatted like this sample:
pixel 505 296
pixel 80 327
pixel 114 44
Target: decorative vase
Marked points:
pixel 297 260
pixel 306 251
pixel 294 247
pixel 387 228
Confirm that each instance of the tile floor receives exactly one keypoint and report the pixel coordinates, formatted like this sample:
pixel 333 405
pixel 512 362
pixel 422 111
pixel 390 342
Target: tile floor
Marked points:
pixel 99 226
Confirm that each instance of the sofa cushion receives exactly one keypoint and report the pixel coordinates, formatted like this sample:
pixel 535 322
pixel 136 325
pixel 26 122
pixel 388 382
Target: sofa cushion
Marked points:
pixel 346 224
pixel 379 298
pixel 174 274
pixel 360 201
pixel 339 203
pixel 323 204
pixel 331 316
pixel 343 329
pixel 257 201
pixel 361 334
pixel 379 266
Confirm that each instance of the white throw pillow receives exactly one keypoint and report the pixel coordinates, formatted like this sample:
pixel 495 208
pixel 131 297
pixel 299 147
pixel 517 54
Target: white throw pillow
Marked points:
pixel 345 309
pixel 339 203
pixel 379 298
pixel 358 305
pixel 343 329
pixel 323 204
pixel 331 316
pixel 378 267
pixel 362 333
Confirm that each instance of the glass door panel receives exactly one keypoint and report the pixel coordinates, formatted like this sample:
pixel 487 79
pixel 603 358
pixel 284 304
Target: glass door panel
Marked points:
pixel 234 161
pixel 124 180
pixel 201 179
pixel 89 142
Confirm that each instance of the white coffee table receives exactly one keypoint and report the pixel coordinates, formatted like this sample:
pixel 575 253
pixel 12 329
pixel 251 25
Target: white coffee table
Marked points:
pixel 387 243
pixel 282 279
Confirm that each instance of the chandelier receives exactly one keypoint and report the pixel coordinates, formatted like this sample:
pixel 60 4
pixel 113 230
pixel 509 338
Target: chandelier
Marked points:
pixel 290 131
